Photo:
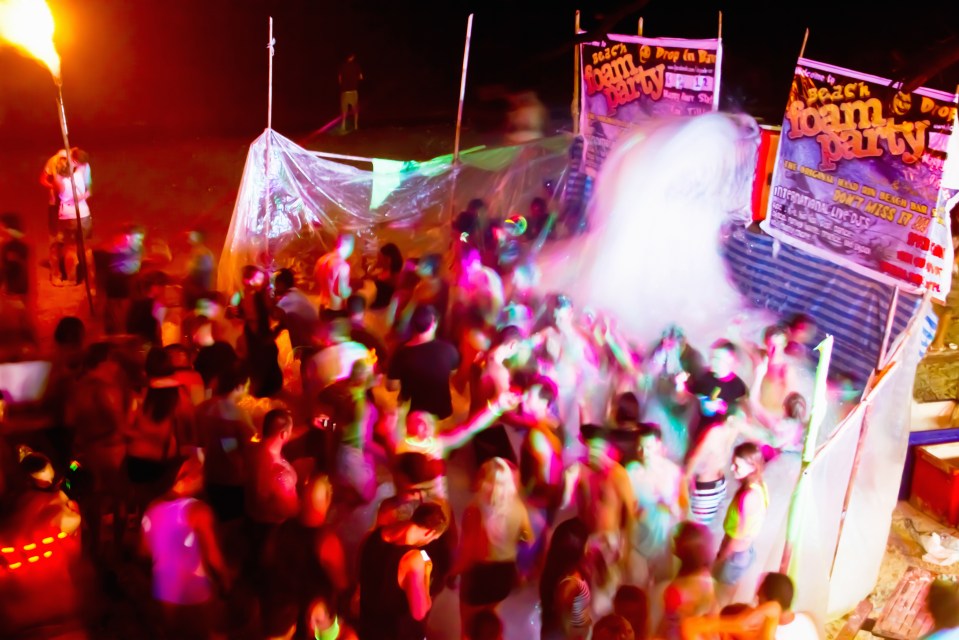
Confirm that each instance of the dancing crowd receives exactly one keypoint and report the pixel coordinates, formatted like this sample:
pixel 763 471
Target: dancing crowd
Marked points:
pixel 325 453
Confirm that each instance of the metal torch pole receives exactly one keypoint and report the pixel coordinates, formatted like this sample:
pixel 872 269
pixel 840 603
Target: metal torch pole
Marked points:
pixel 81 249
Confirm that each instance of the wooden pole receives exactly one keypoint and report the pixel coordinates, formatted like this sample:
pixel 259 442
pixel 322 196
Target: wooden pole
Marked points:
pixel 577 77
pixel 267 222
pixel 890 318
pixel 459 110
pixel 720 32
pixel 81 248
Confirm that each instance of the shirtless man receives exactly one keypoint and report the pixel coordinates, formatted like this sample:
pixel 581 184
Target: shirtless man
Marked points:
pixel 662 497
pixel 708 461
pixel 332 275
pixel 607 505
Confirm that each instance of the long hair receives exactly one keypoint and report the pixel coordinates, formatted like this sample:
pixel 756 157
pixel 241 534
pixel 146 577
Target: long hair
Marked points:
pixel 567 548
pixel 496 484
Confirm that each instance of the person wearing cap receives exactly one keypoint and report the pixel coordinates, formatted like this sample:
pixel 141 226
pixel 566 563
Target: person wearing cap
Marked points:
pixel 189 572
pixel 607 505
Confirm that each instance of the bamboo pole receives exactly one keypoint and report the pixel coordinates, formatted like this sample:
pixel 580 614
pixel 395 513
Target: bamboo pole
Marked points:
pixel 816 416
pixel 577 75
pixel 857 458
pixel 81 245
pixel 459 110
pixel 890 318
pixel 805 39
pixel 267 222
pixel 717 77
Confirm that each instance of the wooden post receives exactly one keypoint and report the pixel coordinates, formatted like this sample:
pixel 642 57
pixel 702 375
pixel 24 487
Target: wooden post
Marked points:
pixel 577 75
pixel 720 31
pixel 459 110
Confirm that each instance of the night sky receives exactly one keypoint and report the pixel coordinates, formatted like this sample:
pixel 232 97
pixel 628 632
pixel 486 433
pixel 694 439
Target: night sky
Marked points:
pixel 141 69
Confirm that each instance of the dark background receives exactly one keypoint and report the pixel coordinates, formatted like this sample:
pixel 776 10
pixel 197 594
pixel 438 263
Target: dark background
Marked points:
pixel 139 69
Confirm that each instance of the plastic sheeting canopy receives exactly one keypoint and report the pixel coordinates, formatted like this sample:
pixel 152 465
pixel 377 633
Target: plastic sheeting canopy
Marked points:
pixel 311 200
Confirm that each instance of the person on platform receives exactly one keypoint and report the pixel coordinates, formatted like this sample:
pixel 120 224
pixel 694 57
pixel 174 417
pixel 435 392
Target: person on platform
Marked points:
pixel 63 211
pixel 332 277
pixel 395 575
pixel 349 77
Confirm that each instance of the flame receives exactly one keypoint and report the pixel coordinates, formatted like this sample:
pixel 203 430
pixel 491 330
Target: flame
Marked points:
pixel 28 26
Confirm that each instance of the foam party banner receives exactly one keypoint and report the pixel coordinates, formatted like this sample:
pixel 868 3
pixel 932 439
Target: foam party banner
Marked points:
pixel 858 176
pixel 627 79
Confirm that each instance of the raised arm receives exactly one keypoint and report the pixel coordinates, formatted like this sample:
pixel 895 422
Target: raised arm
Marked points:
pixel 460 435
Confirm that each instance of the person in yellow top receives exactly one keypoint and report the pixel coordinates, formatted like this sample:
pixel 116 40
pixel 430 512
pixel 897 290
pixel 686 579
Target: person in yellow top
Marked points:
pixel 744 520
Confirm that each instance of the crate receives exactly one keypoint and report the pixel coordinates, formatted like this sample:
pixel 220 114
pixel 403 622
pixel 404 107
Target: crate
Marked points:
pixel 935 481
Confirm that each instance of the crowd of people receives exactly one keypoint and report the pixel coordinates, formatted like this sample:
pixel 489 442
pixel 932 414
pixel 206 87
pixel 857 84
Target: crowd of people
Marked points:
pixel 287 461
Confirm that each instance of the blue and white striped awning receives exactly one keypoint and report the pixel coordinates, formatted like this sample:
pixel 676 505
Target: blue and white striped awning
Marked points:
pixel 785 280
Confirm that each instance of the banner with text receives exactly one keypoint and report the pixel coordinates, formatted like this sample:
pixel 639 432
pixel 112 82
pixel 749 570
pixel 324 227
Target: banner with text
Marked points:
pixel 627 79
pixel 858 176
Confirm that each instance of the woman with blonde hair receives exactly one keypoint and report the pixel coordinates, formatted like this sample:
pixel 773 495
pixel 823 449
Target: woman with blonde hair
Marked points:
pixel 494 524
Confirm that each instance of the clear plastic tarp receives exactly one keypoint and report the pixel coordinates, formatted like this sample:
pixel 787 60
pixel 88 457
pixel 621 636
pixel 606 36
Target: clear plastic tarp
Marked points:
pixel 312 199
